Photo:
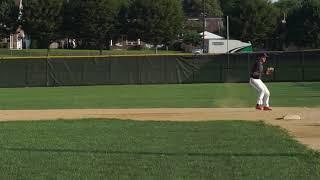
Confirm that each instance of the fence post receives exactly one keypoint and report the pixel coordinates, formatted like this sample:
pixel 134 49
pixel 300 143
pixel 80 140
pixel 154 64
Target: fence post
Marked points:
pixel 47 71
pixel 276 58
pixel 138 65
pixel 82 72
pixel 26 74
pixel 108 75
pixel 248 65
pixel 165 74
pixel 303 64
pixel 276 67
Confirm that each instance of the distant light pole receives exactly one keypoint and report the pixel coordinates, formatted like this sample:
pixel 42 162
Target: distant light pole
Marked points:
pixel 283 31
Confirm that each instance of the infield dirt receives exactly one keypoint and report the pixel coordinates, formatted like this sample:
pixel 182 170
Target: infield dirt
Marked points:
pixel 306 130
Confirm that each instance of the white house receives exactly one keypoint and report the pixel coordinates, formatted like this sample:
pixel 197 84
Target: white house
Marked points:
pixel 218 45
pixel 18 40
pixel 209 35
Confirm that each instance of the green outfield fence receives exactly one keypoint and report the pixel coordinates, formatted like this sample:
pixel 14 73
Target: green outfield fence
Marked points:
pixel 162 69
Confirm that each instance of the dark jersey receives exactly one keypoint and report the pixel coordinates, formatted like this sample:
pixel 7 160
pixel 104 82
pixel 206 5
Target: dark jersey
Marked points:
pixel 257 70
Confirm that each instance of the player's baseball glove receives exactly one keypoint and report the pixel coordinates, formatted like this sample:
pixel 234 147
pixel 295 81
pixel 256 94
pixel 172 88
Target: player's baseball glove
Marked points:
pixel 269 70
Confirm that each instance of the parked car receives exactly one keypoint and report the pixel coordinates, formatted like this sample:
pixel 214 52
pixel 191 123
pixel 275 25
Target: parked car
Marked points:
pixel 197 51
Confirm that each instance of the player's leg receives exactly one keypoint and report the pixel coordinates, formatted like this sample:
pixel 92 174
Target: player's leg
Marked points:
pixel 258 85
pixel 266 97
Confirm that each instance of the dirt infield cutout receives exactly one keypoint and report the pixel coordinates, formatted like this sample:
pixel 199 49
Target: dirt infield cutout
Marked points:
pixel 306 130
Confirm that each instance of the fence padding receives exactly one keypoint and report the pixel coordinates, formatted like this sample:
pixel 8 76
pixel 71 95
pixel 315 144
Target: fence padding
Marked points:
pixel 289 66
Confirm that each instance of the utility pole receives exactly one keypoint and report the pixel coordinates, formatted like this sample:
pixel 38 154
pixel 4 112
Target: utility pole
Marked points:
pixel 228 43
pixel 203 23
pixel 228 34
pixel 20 10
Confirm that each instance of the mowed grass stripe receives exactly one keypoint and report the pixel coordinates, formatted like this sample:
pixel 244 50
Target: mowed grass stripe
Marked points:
pixel 95 149
pixel 159 96
pixel 76 57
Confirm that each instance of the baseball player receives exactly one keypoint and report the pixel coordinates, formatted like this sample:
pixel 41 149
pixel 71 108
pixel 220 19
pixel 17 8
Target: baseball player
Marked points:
pixel 255 81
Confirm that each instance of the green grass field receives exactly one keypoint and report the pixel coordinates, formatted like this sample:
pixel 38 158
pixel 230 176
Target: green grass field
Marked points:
pixel 117 149
pixel 98 149
pixel 156 96
pixel 78 52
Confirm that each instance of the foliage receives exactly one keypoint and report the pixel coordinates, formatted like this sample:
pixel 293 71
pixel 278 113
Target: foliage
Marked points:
pixel 9 14
pixel 251 20
pixel 156 22
pixel 304 24
pixel 42 19
pixel 194 8
pixel 95 20
pixel 192 38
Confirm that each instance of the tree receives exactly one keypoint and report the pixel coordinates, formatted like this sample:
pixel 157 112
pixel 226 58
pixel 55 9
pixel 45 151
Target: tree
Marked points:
pixel 286 6
pixel 304 24
pixel 194 8
pixel 193 25
pixel 192 38
pixel 229 6
pixel 42 20
pixel 95 21
pixel 68 29
pixel 121 23
pixel 251 20
pixel 154 21
pixel 9 13
pixel 285 9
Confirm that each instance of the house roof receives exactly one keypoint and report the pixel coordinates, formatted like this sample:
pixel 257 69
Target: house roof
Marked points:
pixel 209 35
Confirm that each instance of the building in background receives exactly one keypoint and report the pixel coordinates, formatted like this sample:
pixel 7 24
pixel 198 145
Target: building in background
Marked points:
pixel 215 25
pixel 215 44
pixel 19 40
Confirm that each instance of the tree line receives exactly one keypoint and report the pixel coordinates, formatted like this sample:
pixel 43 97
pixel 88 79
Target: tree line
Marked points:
pixel 96 22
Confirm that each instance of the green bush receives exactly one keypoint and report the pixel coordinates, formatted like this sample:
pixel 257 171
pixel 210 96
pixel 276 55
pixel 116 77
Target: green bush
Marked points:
pixel 4 45
pixel 34 44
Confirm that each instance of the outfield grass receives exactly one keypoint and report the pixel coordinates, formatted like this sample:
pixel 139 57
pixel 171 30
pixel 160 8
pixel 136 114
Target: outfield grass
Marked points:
pixel 95 149
pixel 78 52
pixel 158 96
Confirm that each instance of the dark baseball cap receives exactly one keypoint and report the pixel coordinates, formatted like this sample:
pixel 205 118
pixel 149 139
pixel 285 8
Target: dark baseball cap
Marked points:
pixel 263 55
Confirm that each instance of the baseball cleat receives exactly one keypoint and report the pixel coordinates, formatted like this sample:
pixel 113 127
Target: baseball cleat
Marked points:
pixel 259 107
pixel 267 108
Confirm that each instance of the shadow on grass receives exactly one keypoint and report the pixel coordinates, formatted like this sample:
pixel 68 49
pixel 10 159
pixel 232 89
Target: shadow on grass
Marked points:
pixel 293 154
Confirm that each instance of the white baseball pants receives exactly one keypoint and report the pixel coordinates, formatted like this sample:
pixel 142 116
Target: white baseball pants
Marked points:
pixel 264 94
